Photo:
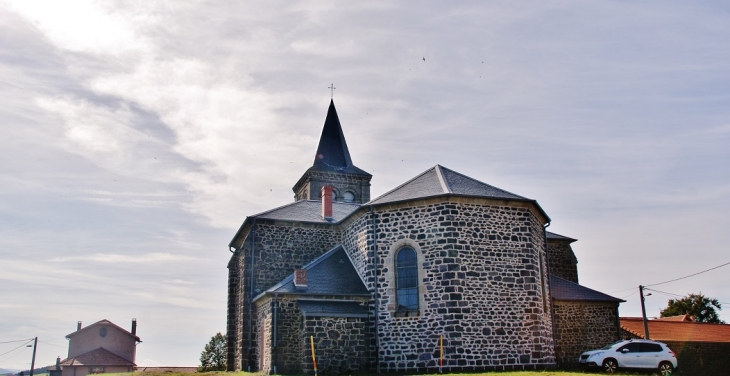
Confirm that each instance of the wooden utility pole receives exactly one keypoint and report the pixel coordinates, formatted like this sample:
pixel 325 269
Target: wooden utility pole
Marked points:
pixel 643 313
pixel 32 362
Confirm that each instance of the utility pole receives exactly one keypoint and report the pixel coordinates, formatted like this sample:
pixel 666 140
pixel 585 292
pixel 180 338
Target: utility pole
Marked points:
pixel 32 362
pixel 643 313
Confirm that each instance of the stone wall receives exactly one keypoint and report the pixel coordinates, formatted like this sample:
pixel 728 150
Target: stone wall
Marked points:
pixel 562 260
pixel 234 329
pixel 342 344
pixel 357 239
pixel 310 184
pixel 263 330
pixel 583 326
pixel 281 247
pixel 483 283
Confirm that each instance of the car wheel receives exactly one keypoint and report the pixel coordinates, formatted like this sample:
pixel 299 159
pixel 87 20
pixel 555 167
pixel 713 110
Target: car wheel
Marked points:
pixel 610 366
pixel 665 368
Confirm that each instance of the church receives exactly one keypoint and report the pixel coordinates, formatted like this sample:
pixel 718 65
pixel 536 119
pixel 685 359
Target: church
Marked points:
pixel 443 272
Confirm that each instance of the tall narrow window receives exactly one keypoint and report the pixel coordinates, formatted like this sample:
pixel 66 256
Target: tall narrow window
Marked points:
pixel 406 276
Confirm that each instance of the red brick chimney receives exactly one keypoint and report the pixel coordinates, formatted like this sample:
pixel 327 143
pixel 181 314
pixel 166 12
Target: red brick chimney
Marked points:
pixel 300 278
pixel 327 202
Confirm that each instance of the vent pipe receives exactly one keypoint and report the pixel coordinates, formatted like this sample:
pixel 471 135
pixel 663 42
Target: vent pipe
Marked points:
pixel 78 326
pixel 134 327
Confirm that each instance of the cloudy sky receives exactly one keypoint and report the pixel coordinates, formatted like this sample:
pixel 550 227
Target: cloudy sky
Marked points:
pixel 136 136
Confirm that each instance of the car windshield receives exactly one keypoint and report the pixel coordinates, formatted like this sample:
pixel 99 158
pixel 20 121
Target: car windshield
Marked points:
pixel 608 347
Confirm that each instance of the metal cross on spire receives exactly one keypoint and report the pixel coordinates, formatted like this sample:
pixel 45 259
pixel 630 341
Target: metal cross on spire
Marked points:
pixel 332 90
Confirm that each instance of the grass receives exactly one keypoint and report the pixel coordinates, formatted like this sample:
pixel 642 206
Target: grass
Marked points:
pixel 495 373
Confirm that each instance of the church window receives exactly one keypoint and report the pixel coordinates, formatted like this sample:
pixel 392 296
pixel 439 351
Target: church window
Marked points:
pixel 349 196
pixel 334 196
pixel 406 279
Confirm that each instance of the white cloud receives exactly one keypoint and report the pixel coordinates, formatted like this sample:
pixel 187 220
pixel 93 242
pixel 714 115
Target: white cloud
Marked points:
pixel 118 258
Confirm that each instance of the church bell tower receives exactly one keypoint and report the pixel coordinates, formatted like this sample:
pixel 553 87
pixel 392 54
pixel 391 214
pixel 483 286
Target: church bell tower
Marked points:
pixel 333 166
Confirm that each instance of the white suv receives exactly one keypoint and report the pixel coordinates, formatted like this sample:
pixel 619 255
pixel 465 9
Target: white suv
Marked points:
pixel 635 353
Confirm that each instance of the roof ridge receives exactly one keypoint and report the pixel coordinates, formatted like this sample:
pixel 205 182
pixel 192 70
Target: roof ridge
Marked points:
pixel 442 179
pixel 481 182
pixel 399 187
pixel 278 207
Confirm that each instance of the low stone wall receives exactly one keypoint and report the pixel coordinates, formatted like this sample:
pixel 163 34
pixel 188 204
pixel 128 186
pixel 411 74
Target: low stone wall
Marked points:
pixel 582 326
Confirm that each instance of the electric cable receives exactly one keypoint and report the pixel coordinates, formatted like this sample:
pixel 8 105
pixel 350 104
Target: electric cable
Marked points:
pixel 23 345
pixel 687 276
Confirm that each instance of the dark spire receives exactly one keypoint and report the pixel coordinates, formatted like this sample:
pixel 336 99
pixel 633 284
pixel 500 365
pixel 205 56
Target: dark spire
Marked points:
pixel 332 153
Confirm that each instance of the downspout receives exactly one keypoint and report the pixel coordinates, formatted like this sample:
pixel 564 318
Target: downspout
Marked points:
pixel 552 306
pixel 375 289
pixel 274 334
pixel 250 296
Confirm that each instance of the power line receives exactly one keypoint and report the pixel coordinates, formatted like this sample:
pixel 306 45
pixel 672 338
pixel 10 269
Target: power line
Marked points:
pixel 676 295
pixel 612 292
pixel 28 341
pixel 633 293
pixel 687 276
pixel 20 340
pixel 51 344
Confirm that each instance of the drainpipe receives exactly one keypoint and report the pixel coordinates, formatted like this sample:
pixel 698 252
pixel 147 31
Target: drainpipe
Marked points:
pixel 552 306
pixel 250 297
pixel 375 289
pixel 274 334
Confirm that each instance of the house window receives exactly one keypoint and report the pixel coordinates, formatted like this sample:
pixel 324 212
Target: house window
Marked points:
pixel 406 279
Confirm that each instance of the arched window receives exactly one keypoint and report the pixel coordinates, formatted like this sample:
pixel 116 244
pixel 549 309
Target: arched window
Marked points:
pixel 406 279
pixel 334 196
pixel 349 196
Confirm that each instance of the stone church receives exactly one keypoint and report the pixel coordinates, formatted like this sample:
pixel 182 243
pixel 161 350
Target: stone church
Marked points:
pixel 442 271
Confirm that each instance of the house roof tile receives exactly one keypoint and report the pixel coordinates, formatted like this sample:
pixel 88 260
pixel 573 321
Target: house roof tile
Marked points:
pixel 308 211
pixel 330 274
pixel 680 331
pixel 564 290
pixel 103 322
pixel 98 357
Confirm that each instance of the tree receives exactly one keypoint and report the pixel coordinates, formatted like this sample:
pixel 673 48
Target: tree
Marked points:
pixel 213 358
pixel 698 306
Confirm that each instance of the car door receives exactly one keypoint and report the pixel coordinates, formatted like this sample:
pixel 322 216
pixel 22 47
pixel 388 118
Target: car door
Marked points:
pixel 650 355
pixel 629 355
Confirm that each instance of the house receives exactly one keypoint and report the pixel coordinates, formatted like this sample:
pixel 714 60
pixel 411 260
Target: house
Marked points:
pixel 101 347
pixel 701 348
pixel 444 271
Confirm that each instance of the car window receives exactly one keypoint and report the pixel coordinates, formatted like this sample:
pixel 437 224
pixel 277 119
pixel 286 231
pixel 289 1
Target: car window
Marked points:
pixel 651 347
pixel 632 347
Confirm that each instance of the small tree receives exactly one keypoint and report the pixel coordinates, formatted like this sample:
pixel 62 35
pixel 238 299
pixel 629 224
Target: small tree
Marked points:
pixel 213 358
pixel 698 306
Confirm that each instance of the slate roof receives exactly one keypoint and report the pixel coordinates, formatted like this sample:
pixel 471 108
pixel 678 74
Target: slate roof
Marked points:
pixel 98 357
pixel 565 290
pixel 681 331
pixel 438 181
pixel 331 308
pixel 332 152
pixel 554 236
pixel 329 274
pixel 308 211
pixel 103 322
